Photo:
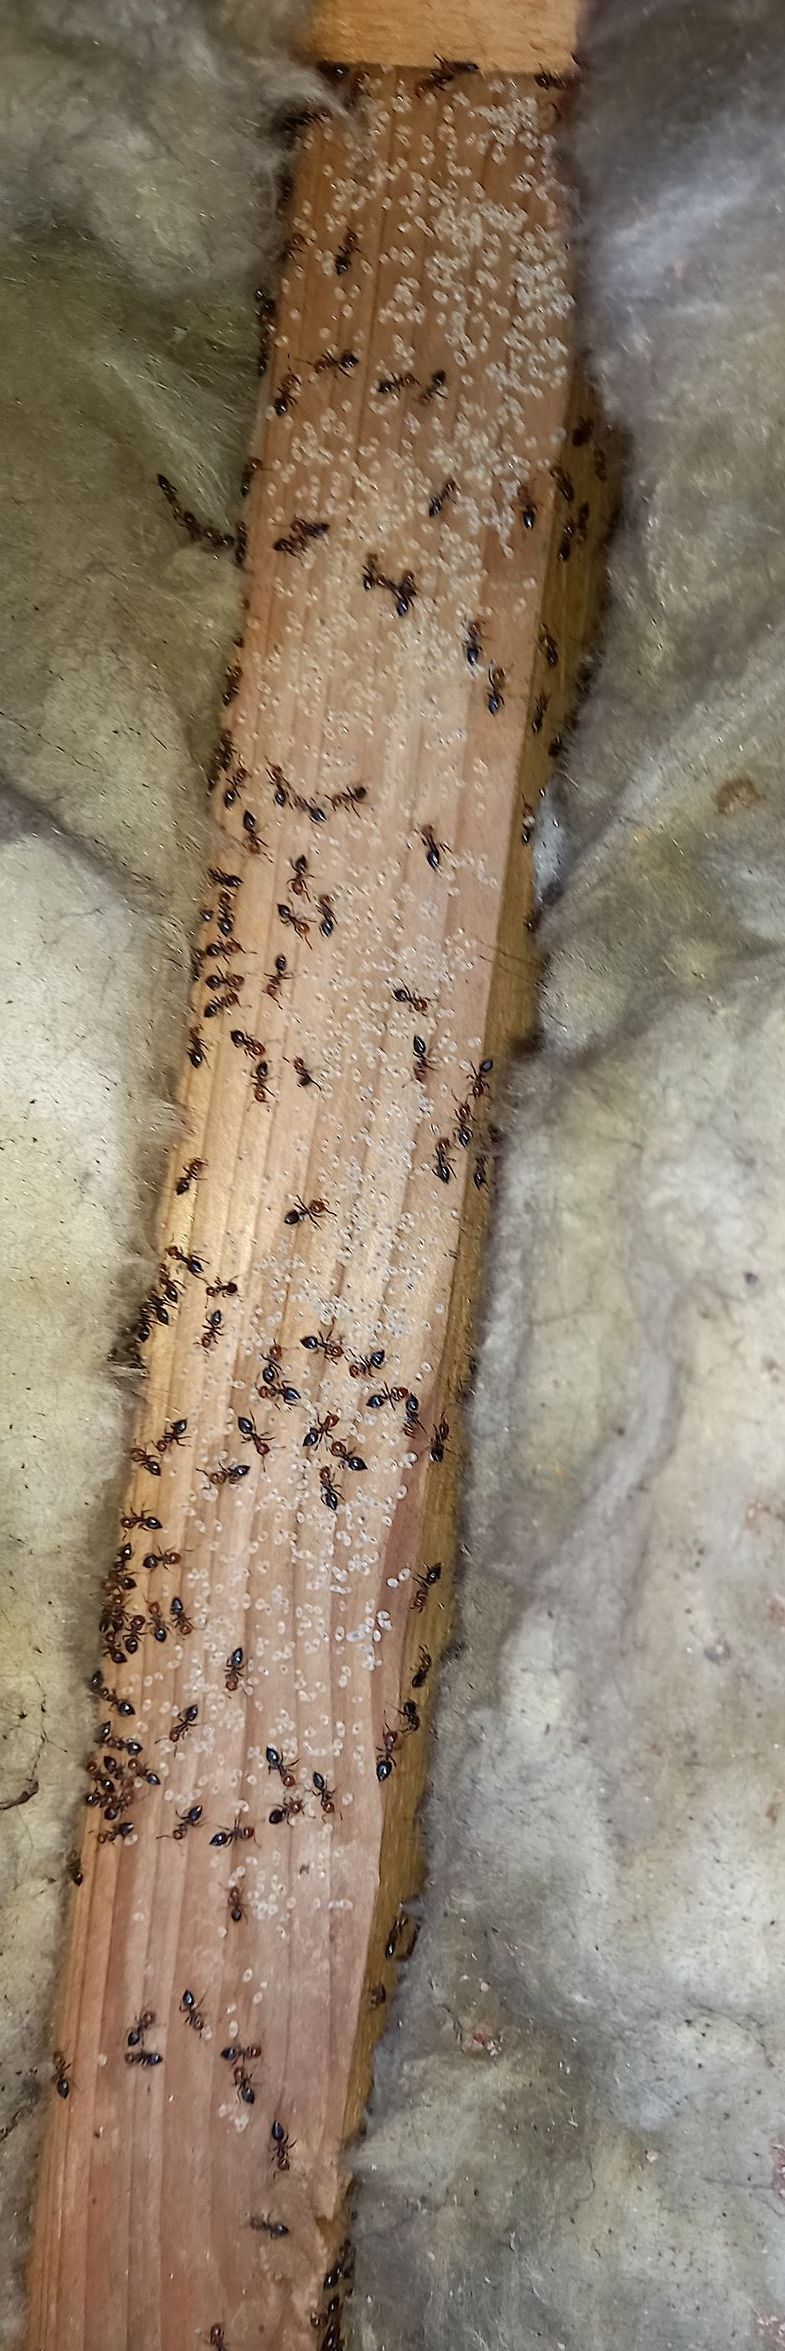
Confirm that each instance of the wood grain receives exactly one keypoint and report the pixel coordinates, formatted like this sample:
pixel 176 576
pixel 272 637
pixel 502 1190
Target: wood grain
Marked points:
pixel 153 2178
pixel 521 39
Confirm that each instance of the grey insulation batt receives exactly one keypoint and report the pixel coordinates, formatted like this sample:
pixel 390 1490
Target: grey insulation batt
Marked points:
pixel 577 2138
pixel 140 154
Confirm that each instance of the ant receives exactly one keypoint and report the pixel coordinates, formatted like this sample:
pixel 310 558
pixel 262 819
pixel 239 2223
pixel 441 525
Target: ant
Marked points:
pixel 140 2026
pixel 183 1722
pixel 61 2070
pixel 549 647
pixel 464 1131
pixel 232 683
pixel 326 910
pixel 300 533
pixel 480 1175
pixel 211 1330
pixel 565 487
pixel 153 1559
pixel 141 1518
pixel 346 252
pixel 250 1435
pixel 101 1689
pixel 445 71
pixel 410 1714
pixel 74 1869
pixel 282 2145
pixel 439 1440
pixel 423 1067
pixel 285 398
pixel 565 543
pixel 251 1046
pixel 260 1089
pixel 145 1461
pixel 244 2084
pixel 538 713
pixel 269 2228
pixel 217 2332
pixel 437 385
pixel 254 844
pixel 296 921
pixel 192 1265
pixel 472 644
pixel 187 1820
pixel 314 1210
pixel 352 798
pixel 145 2057
pixel 274 979
pixel 288 1811
pixel 229 1474
pixel 330 1494
pixel 240 2049
pixel 299 886
pixel 197 1049
pixel 495 696
pixel 232 1670
pixel 235 1904
pixel 403 590
pixel 326 1795
pixel 240 1833
pixel 423 1584
pixel 304 1075
pixel 323 1343
pixel 443 497
pixel 478 1077
pixel 433 849
pixel 424 1663
pixel 173 1434
pixel 207 532
pixel 277 1762
pixel 192 2010
pixel 387 1395
pixel 350 1460
pixel 526 508
pixel 411 1413
pixel 190 1175
pixel 377 1996
pixel 321 1428
pixel 441 1161
pixel 336 362
pixel 221 1289
pixel 551 81
pixel 385 1760
pixel 404 995
pixel 362 1365
pixel 393 385
pixel 154 1624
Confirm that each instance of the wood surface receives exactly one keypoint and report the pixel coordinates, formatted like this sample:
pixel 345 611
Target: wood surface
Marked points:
pixel 159 2184
pixel 512 36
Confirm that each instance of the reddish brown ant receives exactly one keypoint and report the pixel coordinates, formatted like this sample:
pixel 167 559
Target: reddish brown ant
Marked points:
pixel 314 1210
pixel 286 396
pixel 251 1046
pixel 423 1584
pixel 146 2057
pixel 472 645
pixel 352 798
pixel 282 2146
pixel 327 912
pixel 278 1762
pixel 300 535
pixel 423 1066
pixel 320 1429
pixel 261 1092
pixel 288 1811
pixel 191 1264
pixel 173 1434
pixel 495 694
pixel 229 1473
pixel 304 1075
pixel 187 1820
pixel 424 1663
pixel 240 1833
pixel 362 1366
pixel 350 1460
pixel 331 1496
pixel 211 1329
pixel 323 1343
pixel 445 71
pixel 326 1795
pixel 235 1904
pixel 391 386
pixel 538 713
pixel 233 1669
pixel 141 1518
pixel 250 1435
pixel 254 844
pixel 183 1722
pixel 145 1461
pixel 299 883
pixel 140 2026
pixel 439 1440
pixel 61 2067
pixel 197 1049
pixel 442 497
pixel 346 252
pixel 386 1395
pixel 296 922
pixel 385 1758
pixel 441 1160
pixel 243 2084
pixel 478 1078
pixel 192 2010
pixel 410 1715
pixel 274 979
pixel 221 1289
pixel 336 363
pixel 434 389
pixel 190 1175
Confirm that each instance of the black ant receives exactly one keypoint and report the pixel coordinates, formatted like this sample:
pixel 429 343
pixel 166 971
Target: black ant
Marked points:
pixel 278 1762
pixel 285 398
pixel 439 1440
pixel 386 1395
pixel 350 1460
pixel 299 536
pixel 254 844
pixel 192 2010
pixel 393 385
pixel 206 532
pixel 321 1428
pixel 565 487
pixel 250 1435
pixel 423 1066
pixel 141 1518
pixel 61 2069
pixel 404 995
pixel 183 1722
pixel 551 81
pixel 445 71
pixel 192 1264
pixel 346 252
pixel 197 1049
pixel 424 1663
pixel 233 1669
pixel 434 850
pixel 261 1074
pixel 495 695
pixel 296 921
pixel 252 1047
pixel 443 497
pixel 240 1833
pixel 441 1160
pixel 274 979
pixel 217 2332
pixel 330 1493
pixel 362 1365
pixel 229 1473
pixel 478 1077
pixel 326 1795
pixel 352 798
pixel 385 1759
pixel 288 1811
pixel 423 1584
pixel 173 1434
pixel 100 1689
pixel 232 683
pixel 410 1714
pixel 336 363
pixel 74 1869
pixel 187 1820
pixel 140 2026
pixel 212 1329
pixel 235 1905
pixel 243 2084
pixel 304 1075
pixel 323 1343
pixel 146 1461
pixel 190 1175
pixel 145 2057
pixel 434 389
pixel 480 1174
pixel 314 1210
pixel 282 2146
pixel 472 644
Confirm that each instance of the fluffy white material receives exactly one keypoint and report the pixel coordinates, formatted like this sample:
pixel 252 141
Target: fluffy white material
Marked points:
pixel 139 168
pixel 576 2137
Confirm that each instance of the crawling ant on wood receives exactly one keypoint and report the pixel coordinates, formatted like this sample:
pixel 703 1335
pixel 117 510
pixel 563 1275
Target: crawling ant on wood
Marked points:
pixel 187 1820
pixel 100 1689
pixel 277 1762
pixel 391 386
pixel 146 1461
pixel 192 2010
pixel 526 508
pixel 268 2228
pixel 495 694
pixel 250 1435
pixel 190 1263
pixel 153 1559
pixel 479 1076
pixel 190 1175
pixel 336 363
pixel 423 1584
pixel 564 485
pixel 197 1049
pixel 300 534
pixel 362 1366
pixel 145 2057
pixel 252 466
pixel 549 647
pixel 352 798
pixel 386 1395
pixel 221 1289
pixel 212 1329
pixel 234 790
pixel 410 1715
pixel 282 2146
pixel 331 1495
pixel 218 2337
pixel 403 590
pixel 327 913
pixel 472 644
pixel 61 2066
pixel 235 1905
pixel 229 1473
pixel 445 71
pixel 304 1075
pixel 323 1343
pixel 443 497
pixel 299 882
pixel 480 1172
pixel 434 389
pixel 296 922
pixel 346 253
pixel 538 713
pixel 423 1066
pixel 326 1795
pixel 385 1758
pixel 206 532
pixel 404 995
pixel 321 1428
pixel 441 1160
pixel 240 1833
pixel 261 1092
pixel 314 1210
pixel 233 1669
pixel 232 684
pixel 173 1434
pixel 184 1721
pixel 254 844
pixel 551 81
pixel 286 396
pixel 350 1460
pixel 434 850
pixel 140 2026
pixel 74 1869
pixel 439 1440
pixel 424 1663
pixel 288 1811
pixel 141 1518
pixel 155 1624
pixel 274 980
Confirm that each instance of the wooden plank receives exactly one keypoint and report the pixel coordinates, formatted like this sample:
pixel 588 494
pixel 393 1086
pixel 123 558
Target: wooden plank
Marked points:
pixel 153 2177
pixel 533 36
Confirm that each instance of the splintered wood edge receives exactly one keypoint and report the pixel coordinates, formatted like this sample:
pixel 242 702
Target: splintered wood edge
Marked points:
pixel 497 36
